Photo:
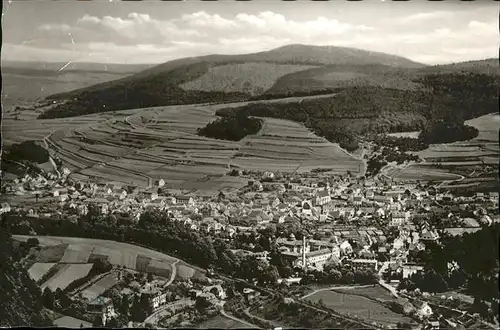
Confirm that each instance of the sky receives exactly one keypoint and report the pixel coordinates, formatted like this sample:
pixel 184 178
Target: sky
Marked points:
pixel 110 31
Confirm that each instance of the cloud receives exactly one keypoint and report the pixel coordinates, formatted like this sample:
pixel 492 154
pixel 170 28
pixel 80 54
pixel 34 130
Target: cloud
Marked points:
pixel 420 17
pixel 141 37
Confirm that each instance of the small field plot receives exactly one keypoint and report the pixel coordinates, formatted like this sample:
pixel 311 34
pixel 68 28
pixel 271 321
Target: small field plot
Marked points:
pixel 487 125
pixel 51 254
pixel 185 271
pixel 373 292
pixel 141 263
pixel 116 174
pixel 160 268
pixel 66 275
pixel 99 287
pixel 265 164
pixel 224 183
pixel 221 322
pixel 359 306
pixel 39 269
pixel 424 173
pixel 76 254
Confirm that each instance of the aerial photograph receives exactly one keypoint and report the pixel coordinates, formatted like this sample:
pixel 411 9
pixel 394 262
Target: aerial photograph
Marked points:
pixel 250 164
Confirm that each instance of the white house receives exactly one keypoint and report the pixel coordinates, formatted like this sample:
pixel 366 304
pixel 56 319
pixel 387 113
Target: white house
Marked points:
pixel 5 208
pixel 399 218
pixel 161 183
pixel 268 175
pixel 322 197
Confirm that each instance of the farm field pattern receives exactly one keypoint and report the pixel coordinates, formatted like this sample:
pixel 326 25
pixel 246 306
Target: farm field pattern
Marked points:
pixel 143 145
pixel 79 254
pixel 483 149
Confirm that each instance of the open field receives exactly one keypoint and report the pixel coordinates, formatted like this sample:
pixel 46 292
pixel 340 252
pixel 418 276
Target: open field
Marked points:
pixel 424 173
pixel 66 275
pixel 39 269
pixel 359 306
pixel 488 127
pixel 221 322
pixel 250 78
pixel 373 292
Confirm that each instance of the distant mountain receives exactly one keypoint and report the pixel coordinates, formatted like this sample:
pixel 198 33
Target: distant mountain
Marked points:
pixel 215 78
pixel 288 70
pixel 489 66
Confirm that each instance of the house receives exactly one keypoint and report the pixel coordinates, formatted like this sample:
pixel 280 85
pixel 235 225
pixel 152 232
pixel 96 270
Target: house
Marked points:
pixel 423 310
pixel 314 259
pixel 154 294
pixel 380 212
pixel 399 218
pixel 5 208
pixel 364 264
pixel 185 200
pixel 268 176
pixel 306 207
pixel 161 183
pixel 357 200
pixel 345 248
pixel 292 245
pixel 429 236
pixel 322 197
pixel 382 200
pixel 104 307
pixel 409 269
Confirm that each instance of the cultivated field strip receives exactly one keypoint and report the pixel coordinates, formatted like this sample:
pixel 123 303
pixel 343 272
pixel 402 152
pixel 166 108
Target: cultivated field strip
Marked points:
pixel 76 254
pixel 39 269
pixel 99 287
pixel 67 274
pixel 138 146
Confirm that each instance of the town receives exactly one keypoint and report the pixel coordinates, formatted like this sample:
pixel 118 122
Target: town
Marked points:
pixel 297 237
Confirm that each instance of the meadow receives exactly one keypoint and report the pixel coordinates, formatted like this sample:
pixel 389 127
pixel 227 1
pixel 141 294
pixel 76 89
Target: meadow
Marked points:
pixel 360 306
pixel 221 322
